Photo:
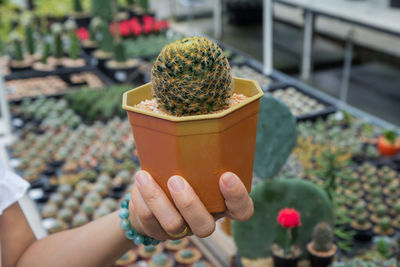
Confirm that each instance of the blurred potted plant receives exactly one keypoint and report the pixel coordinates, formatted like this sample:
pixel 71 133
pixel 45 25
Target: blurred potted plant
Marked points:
pixel 192 85
pixel 389 144
pixel 81 17
pixel 58 46
pixel 44 64
pixel 89 39
pixel 18 62
pixel 73 60
pixel 322 249
pixel 120 66
pixel 106 47
pixel 285 251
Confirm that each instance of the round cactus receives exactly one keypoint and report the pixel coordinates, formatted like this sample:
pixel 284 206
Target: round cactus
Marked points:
pixel 192 77
pixel 362 219
pixel 385 224
pixel 254 237
pixel 322 237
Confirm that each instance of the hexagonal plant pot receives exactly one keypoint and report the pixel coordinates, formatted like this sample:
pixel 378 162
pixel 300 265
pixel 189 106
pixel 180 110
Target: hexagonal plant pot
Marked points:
pixel 199 148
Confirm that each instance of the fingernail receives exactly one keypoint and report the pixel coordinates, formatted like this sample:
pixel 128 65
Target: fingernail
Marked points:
pixel 229 180
pixel 142 178
pixel 177 184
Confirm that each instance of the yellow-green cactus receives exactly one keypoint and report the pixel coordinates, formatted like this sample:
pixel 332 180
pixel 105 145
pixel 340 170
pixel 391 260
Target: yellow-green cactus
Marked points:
pixel 192 77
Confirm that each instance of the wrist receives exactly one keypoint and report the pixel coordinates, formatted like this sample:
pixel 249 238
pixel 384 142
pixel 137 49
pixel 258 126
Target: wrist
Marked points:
pixel 125 224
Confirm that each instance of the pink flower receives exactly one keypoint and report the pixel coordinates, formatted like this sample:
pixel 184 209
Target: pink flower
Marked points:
pixel 289 218
pixel 82 34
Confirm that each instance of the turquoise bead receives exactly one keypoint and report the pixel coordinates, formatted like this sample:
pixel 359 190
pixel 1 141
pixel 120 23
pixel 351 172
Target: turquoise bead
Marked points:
pixel 125 224
pixel 128 197
pixel 147 240
pixel 155 242
pixel 124 204
pixel 138 239
pixel 131 234
pixel 123 213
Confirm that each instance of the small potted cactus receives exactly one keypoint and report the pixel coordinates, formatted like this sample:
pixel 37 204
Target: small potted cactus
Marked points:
pixel 90 44
pixel 120 67
pixel 44 63
pixel 82 18
pixel 384 227
pixel 19 62
pixel 73 60
pixel 389 144
pixel 321 249
pixel 285 251
pixel 106 47
pixel 380 212
pixel 195 133
pixel 30 41
pixel 363 227
pixel 58 46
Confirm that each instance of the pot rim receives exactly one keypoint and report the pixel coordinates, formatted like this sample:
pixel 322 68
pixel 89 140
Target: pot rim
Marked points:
pixel 311 250
pixel 250 99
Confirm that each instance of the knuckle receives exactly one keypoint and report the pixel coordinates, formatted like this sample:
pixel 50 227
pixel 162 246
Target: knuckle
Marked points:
pixel 146 215
pixel 172 225
pixel 205 230
pixel 152 195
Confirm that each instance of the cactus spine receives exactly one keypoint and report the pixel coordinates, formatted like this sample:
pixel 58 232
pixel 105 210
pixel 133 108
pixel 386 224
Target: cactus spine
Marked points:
pixel 192 77
pixel 56 29
pixel 322 237
pixel 74 47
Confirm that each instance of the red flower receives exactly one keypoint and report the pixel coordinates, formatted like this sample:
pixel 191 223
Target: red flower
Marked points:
pixel 289 218
pixel 124 28
pixel 82 34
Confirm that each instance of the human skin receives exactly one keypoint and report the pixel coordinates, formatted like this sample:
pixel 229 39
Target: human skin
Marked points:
pixel 102 242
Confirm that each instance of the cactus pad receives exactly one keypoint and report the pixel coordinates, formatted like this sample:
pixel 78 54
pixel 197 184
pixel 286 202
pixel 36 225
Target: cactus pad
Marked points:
pixel 276 137
pixel 255 237
pixel 192 77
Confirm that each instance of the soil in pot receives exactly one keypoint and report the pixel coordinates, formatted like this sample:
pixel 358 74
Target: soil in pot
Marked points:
pixel 320 259
pixel 73 63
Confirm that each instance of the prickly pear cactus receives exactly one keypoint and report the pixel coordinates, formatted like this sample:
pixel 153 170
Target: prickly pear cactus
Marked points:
pixel 276 137
pixel 192 77
pixel 255 237
pixel 322 237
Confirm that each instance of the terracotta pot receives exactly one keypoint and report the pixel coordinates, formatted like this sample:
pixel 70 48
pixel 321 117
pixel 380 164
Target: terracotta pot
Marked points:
pixel 199 148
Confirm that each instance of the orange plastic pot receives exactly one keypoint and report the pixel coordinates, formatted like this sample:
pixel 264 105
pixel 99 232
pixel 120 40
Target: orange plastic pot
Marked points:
pixel 199 148
pixel 386 148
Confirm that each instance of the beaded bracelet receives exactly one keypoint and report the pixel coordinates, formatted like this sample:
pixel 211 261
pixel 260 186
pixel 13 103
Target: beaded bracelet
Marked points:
pixel 130 232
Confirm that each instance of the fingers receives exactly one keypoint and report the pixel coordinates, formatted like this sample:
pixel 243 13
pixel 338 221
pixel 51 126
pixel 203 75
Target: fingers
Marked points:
pixel 239 204
pixel 191 208
pixel 143 219
pixel 158 206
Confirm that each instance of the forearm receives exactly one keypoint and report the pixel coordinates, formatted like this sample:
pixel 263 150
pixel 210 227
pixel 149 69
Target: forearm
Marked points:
pixel 99 243
pixel 15 235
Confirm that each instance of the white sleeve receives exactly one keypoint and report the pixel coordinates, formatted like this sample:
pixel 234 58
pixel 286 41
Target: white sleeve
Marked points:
pixel 12 188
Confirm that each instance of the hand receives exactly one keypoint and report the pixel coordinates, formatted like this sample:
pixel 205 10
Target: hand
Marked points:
pixel 153 214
